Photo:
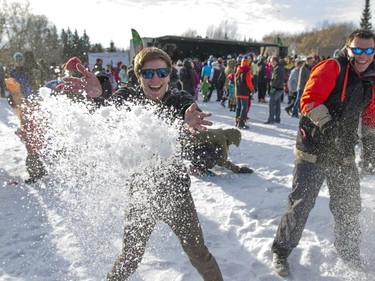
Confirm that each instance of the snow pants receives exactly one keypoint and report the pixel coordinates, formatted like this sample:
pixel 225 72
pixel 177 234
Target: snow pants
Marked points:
pixel 345 204
pixel 181 215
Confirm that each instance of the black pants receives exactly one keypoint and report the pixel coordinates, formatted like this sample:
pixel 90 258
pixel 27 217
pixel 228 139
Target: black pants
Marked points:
pixel 219 91
pixel 345 205
pixel 262 90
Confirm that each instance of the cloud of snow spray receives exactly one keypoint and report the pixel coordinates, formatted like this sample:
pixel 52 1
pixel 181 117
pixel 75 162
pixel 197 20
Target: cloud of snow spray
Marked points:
pixel 91 155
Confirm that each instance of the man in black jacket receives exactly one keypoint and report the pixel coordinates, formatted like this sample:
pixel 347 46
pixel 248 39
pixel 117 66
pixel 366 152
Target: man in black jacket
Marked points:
pixel 277 89
pixel 170 197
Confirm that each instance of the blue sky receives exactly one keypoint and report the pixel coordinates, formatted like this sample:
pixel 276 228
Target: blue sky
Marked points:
pixel 106 20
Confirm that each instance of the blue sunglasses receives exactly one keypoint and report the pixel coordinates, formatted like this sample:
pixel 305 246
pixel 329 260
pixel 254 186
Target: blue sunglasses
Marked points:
pixel 359 51
pixel 149 73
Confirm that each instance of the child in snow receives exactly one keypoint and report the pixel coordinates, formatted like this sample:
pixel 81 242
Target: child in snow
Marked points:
pixel 205 88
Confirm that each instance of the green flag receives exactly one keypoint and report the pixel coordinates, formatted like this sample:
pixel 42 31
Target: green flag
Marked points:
pixel 279 42
pixel 137 41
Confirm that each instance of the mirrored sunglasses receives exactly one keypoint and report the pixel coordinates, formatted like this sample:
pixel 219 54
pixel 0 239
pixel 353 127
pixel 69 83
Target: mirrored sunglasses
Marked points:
pixel 359 51
pixel 149 73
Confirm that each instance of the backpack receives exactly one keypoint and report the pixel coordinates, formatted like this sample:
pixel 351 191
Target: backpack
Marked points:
pixel 222 78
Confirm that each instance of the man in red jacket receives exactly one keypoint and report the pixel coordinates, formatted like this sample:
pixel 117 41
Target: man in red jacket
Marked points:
pixel 334 96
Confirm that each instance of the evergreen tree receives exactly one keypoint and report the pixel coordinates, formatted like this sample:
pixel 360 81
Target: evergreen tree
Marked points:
pixel 366 17
pixel 97 48
pixel 85 45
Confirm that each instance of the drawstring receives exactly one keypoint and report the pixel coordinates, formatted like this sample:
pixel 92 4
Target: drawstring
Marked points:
pixel 345 83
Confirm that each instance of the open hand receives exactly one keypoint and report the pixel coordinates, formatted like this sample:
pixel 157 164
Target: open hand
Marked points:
pixel 194 120
pixel 88 84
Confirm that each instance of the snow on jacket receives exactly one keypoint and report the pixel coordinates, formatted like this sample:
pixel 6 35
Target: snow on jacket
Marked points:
pixel 335 92
pixel 174 104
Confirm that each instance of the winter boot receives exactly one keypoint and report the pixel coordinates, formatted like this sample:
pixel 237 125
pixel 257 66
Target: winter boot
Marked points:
pixel 237 122
pixel 280 265
pixel 242 124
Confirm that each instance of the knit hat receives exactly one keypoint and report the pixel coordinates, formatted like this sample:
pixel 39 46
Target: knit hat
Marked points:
pixel 18 56
pixel 72 63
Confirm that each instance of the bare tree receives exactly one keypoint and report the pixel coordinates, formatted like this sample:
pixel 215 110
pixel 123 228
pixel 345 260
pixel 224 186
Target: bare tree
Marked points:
pixel 190 33
pixel 225 31
pixel 22 31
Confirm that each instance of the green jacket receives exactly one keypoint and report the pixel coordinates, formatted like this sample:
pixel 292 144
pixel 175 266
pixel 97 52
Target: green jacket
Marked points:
pixel 222 138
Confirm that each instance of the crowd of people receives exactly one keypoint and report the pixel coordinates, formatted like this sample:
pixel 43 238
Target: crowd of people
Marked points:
pixel 332 97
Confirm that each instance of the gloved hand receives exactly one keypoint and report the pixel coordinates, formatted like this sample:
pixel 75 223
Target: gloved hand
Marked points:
pixel 341 139
pixel 245 170
pixel 330 129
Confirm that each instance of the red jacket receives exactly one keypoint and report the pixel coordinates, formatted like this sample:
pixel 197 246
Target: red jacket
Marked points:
pixel 368 115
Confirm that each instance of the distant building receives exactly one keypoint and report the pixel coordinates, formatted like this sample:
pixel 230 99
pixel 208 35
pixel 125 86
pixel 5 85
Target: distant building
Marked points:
pixel 179 47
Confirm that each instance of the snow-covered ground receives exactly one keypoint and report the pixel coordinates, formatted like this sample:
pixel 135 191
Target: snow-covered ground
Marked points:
pixel 71 228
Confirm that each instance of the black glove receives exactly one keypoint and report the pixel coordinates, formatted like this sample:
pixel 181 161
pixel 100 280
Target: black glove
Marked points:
pixel 343 140
pixel 245 170
pixel 330 129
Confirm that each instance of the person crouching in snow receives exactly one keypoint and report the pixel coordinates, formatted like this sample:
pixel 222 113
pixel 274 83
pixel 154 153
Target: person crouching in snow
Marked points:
pixel 29 132
pixel 210 148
